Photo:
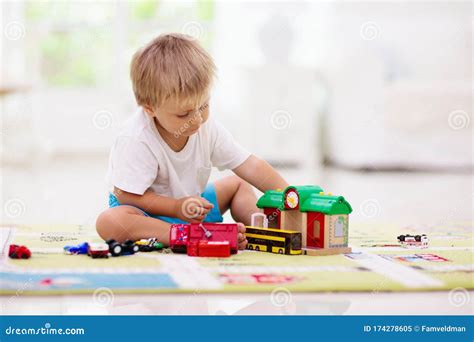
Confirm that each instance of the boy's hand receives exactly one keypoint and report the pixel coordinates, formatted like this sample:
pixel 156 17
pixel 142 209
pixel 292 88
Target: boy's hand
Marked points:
pixel 241 239
pixel 192 209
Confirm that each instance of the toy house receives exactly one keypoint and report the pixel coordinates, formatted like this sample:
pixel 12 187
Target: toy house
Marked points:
pixel 322 219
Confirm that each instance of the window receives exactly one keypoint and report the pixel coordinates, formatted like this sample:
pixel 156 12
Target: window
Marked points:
pixel 316 230
pixel 339 227
pixel 90 44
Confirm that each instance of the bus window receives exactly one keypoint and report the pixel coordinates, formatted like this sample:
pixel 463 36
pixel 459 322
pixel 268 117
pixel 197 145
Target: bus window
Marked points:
pixel 296 241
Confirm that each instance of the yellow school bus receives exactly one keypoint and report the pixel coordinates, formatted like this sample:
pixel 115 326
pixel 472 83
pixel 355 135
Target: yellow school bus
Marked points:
pixel 273 240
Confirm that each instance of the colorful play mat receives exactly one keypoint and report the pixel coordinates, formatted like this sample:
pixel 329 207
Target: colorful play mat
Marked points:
pixel 376 264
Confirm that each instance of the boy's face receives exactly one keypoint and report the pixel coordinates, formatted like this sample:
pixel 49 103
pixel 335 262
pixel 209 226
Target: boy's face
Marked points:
pixel 180 120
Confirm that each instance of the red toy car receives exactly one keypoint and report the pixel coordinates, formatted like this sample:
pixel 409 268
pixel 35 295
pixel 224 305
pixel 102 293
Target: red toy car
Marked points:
pixel 217 249
pixel 203 248
pixel 183 234
pixel 19 252
pixel 98 250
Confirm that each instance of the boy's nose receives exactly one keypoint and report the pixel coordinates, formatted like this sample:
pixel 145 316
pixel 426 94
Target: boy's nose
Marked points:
pixel 198 118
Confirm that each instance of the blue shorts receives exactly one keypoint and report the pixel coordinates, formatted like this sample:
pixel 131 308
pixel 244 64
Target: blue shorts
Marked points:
pixel 209 193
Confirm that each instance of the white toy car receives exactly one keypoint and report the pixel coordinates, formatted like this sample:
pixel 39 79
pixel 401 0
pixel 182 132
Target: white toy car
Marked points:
pixel 413 241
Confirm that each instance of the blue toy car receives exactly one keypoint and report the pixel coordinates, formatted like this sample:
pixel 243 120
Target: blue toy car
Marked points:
pixel 78 249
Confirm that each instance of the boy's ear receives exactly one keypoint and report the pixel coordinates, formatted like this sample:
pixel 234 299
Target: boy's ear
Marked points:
pixel 149 110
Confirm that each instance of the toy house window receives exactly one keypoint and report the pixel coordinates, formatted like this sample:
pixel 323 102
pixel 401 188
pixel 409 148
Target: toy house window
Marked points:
pixel 339 228
pixel 316 229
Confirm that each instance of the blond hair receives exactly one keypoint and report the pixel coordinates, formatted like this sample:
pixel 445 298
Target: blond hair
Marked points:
pixel 171 67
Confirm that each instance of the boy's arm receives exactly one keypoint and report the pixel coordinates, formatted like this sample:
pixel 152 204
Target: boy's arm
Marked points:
pixel 260 174
pixel 190 209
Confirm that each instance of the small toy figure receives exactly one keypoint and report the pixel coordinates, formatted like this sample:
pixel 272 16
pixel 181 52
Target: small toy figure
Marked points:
pixel 77 249
pixel 149 245
pixel 126 248
pixel 413 241
pixel 98 250
pixel 19 252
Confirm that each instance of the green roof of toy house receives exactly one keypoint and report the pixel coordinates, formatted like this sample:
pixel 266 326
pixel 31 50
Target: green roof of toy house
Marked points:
pixel 311 198
pixel 330 205
pixel 271 199
pixel 274 198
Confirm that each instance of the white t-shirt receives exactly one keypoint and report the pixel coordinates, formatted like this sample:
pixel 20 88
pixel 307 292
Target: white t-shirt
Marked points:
pixel 140 159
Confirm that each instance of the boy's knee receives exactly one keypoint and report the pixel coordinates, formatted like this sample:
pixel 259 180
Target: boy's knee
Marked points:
pixel 103 223
pixel 108 223
pixel 108 220
pixel 103 219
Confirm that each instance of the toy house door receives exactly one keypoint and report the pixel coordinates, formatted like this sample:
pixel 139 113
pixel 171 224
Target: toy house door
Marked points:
pixel 315 230
pixel 273 216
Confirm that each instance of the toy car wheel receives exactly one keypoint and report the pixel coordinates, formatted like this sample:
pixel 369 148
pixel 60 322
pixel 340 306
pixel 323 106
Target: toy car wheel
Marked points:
pixel 116 250
pixel 249 246
pixel 135 248
pixel 257 248
pixel 418 238
pixel 280 251
pixel 401 238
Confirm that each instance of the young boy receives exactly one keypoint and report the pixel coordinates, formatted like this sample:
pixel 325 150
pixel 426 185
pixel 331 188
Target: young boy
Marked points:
pixel 161 161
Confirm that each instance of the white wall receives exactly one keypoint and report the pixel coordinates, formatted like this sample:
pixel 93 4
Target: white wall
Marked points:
pixel 400 77
pixel 385 98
